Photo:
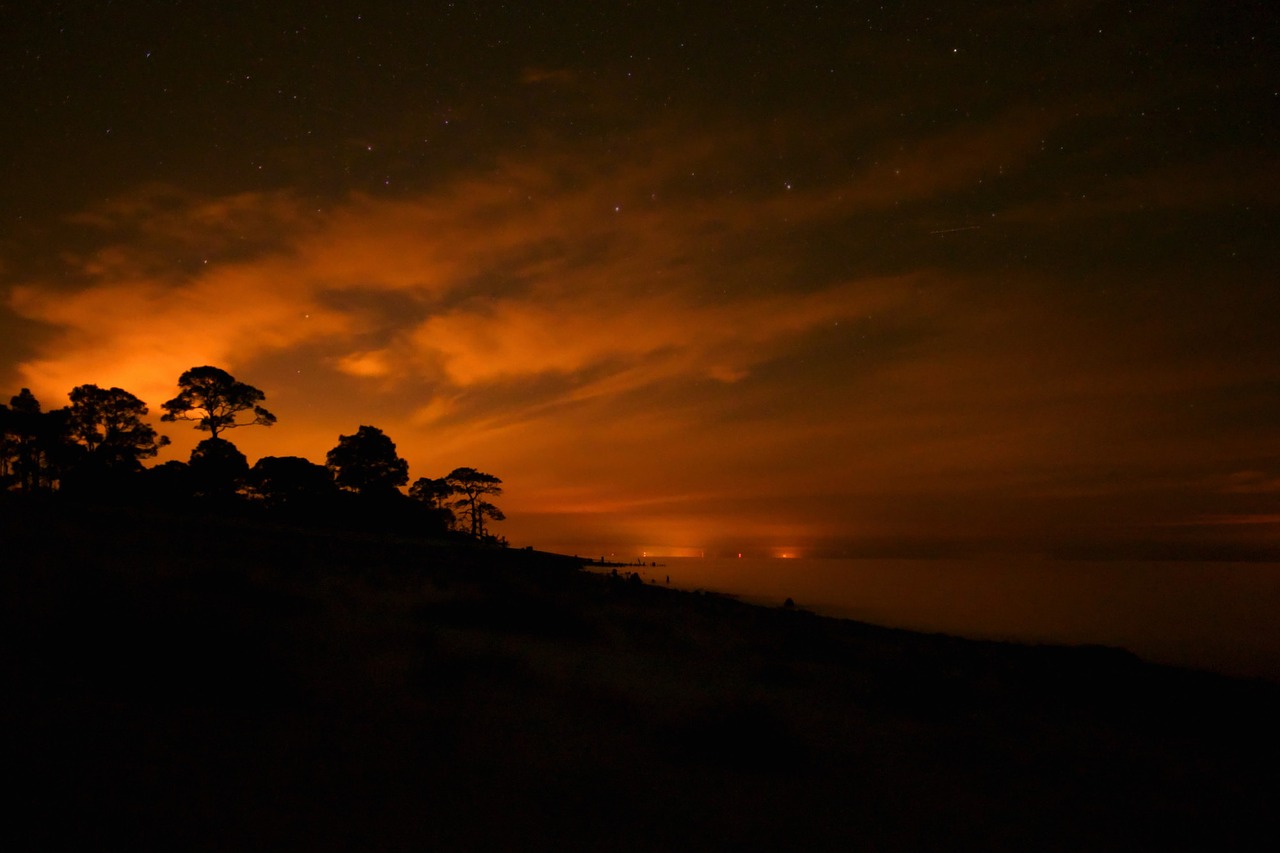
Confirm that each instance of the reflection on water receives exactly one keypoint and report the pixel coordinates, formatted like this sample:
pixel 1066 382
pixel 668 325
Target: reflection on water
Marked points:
pixel 1219 616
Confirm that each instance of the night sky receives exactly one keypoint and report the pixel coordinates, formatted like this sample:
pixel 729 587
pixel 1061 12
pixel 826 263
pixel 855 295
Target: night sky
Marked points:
pixel 824 278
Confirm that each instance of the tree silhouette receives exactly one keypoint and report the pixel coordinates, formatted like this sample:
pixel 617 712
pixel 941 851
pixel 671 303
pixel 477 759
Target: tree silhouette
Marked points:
pixel 367 462
pixel 8 447
pixel 22 432
pixel 487 510
pixel 213 398
pixel 95 446
pixel 108 424
pixel 34 445
pixel 473 487
pixel 432 492
pixel 217 468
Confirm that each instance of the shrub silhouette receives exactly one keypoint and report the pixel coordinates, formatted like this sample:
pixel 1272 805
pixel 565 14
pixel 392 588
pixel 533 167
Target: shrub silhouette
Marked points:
pixel 217 468
pixel 290 480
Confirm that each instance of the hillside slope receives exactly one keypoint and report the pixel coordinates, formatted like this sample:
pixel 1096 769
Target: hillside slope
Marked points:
pixel 199 683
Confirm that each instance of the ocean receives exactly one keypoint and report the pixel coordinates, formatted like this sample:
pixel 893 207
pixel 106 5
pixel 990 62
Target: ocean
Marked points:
pixel 1223 617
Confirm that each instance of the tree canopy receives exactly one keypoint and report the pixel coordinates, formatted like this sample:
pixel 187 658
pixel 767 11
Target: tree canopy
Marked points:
pixel 431 491
pixel 217 468
pixel 280 480
pixel 366 462
pixel 34 445
pixel 93 450
pixel 474 487
pixel 214 399
pixel 108 423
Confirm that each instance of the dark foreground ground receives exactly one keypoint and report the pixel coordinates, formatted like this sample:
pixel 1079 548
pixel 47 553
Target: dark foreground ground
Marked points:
pixel 198 685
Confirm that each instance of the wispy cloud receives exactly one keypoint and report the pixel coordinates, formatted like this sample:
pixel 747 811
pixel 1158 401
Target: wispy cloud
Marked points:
pixel 667 322
pixel 551 268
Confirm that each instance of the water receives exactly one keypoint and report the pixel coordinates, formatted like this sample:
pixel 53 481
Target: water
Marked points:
pixel 1215 616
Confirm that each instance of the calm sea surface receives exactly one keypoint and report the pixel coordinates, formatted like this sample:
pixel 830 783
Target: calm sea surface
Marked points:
pixel 1218 616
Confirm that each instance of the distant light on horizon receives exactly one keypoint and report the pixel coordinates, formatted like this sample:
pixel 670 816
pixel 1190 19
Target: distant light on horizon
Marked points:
pixel 672 551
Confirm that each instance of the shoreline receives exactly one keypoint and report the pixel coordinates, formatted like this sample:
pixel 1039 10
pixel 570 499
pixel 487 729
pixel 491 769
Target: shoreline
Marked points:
pixel 1212 617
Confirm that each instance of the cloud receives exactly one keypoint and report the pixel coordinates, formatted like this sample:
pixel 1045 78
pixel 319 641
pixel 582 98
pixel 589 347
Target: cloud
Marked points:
pixel 535 75
pixel 543 266
pixel 664 332
pixel 365 364
pixel 140 333
pixel 957 158
pixel 516 337
pixel 1251 483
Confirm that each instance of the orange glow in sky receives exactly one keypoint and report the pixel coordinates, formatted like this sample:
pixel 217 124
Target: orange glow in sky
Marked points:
pixel 741 295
